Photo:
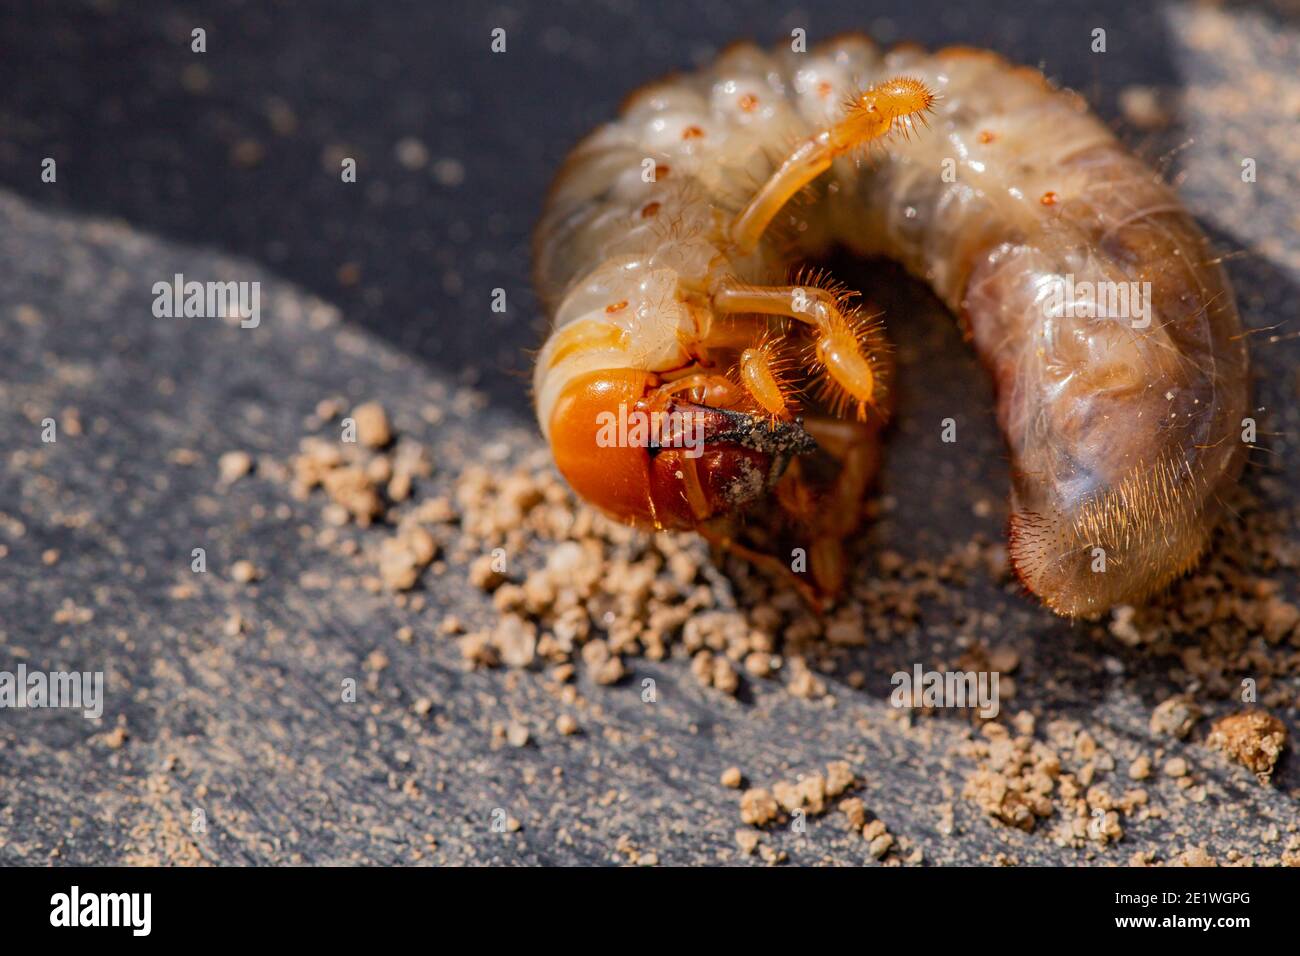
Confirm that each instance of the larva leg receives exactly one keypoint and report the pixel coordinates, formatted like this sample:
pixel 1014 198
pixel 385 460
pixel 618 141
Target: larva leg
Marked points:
pixel 764 368
pixel 845 345
pixel 720 533
pixel 700 388
pixel 838 511
pixel 868 116
pixel 762 371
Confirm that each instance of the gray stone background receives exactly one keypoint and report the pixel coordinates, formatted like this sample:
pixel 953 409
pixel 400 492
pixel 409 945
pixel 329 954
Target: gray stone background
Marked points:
pixel 380 291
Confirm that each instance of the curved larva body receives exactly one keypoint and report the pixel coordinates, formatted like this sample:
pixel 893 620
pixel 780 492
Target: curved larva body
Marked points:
pixel 1123 429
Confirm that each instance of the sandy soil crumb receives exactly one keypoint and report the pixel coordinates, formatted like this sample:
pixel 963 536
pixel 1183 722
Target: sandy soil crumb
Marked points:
pixel 234 465
pixel 758 807
pixel 1175 717
pixel 373 429
pixel 1253 738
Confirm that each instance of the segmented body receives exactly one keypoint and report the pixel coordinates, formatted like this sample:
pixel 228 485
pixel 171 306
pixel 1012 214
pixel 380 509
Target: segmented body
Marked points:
pixel 1124 435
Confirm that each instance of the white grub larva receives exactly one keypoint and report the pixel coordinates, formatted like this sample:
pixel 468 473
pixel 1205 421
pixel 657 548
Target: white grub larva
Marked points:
pixel 671 292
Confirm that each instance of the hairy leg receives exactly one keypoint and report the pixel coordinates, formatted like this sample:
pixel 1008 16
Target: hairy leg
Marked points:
pixel 868 116
pixel 834 513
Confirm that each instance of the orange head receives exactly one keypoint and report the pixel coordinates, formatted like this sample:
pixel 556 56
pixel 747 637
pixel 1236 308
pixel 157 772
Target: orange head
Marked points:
pixel 664 463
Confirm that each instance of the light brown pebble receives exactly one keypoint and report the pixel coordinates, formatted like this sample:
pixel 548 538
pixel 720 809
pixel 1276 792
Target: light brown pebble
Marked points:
pixel 566 725
pixel 748 841
pixel 758 807
pixel 234 465
pixel 483 573
pixel 1253 738
pixel 1175 717
pixel 758 664
pixel 839 777
pixel 855 812
pixel 517 734
pixel 373 429
pixel 516 640
pixel 725 678
pixel 1142 106
pixel 880 845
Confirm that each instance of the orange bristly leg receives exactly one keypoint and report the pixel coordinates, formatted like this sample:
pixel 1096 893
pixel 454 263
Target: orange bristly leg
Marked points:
pixel 841 348
pixel 764 372
pixel 868 116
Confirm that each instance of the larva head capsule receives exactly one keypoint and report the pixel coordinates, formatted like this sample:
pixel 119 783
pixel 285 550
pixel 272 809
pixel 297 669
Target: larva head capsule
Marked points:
pixel 645 457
